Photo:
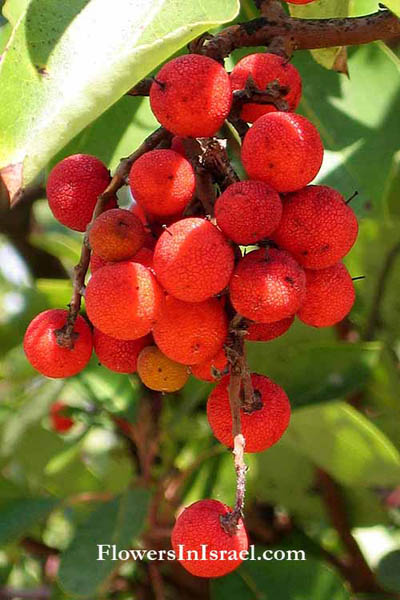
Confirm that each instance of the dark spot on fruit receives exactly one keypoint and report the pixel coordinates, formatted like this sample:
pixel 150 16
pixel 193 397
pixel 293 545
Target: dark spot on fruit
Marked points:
pixel 159 369
pixel 289 280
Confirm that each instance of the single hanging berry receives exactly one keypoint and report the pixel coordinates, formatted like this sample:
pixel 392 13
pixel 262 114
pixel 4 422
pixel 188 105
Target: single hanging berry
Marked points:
pixel 200 525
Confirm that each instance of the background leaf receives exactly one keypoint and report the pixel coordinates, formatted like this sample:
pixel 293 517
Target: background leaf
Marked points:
pixel 100 53
pixel 116 522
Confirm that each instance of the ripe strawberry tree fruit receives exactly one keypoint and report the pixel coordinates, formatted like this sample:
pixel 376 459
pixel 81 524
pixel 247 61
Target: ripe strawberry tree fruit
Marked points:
pixel 216 229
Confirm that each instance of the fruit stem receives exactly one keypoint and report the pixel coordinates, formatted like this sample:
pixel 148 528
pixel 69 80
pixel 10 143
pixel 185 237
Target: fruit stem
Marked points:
pixel 65 335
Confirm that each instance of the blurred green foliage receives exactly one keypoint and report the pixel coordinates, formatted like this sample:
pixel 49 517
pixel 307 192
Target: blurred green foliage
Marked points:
pixel 344 391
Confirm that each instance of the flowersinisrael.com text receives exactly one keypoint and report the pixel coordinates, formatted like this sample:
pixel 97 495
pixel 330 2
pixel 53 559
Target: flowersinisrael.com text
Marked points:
pixel 111 552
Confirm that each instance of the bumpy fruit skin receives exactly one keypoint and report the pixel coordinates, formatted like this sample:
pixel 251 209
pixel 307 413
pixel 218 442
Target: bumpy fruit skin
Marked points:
pixel 264 332
pixel 204 370
pixel 200 524
pixel 162 182
pixel 329 297
pixel 190 333
pixel 192 260
pixel 264 68
pixel 144 257
pixel 60 422
pixel 73 187
pixel 96 262
pixel 248 211
pixel 317 226
pixel 261 428
pixel 117 234
pixel 191 96
pixel 45 354
pixel 118 355
pixel 160 373
pixel 283 150
pixel 267 286
pixel 123 300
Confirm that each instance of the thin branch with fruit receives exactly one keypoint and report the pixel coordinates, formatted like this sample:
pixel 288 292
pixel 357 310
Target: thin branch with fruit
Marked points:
pixel 172 294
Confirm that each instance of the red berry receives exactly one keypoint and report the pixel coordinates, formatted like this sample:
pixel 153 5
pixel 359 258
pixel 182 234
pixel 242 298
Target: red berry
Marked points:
pixel 248 211
pixel 299 1
pixel 329 297
pixel 204 370
pixel 191 96
pixel 60 422
pixel 178 146
pixel 262 427
pixel 264 332
pixel 144 257
pixel 200 525
pixel 192 260
pixel 73 187
pixel 284 150
pixel 44 352
pixel 123 300
pixel 190 333
pixel 118 355
pixel 264 68
pixel 267 286
pixel 96 262
pixel 116 234
pixel 317 226
pixel 162 182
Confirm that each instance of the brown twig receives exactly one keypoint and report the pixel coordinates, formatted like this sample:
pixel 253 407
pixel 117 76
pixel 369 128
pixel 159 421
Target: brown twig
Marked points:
pixel 142 88
pixel 302 34
pixel 65 335
pixel 358 572
pixel 205 192
pixel 238 371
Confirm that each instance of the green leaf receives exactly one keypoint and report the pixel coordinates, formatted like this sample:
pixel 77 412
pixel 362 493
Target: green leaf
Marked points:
pixel 394 6
pixel 323 9
pixel 355 131
pixel 116 522
pixel 343 442
pixel 338 368
pixel 388 572
pixel 286 580
pixel 17 517
pixel 68 62
pixel 35 408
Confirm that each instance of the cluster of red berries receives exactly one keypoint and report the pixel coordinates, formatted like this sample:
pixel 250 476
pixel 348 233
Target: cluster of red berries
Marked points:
pixel 159 297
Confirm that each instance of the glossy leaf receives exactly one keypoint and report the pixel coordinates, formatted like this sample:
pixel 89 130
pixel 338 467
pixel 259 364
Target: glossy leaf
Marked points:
pixel 67 63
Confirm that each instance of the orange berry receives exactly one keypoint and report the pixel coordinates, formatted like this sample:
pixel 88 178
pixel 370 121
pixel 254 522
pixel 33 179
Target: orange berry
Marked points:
pixel 190 333
pixel 267 286
pixel 123 300
pixel 283 150
pixel 44 352
pixel 59 421
pixel 162 182
pixel 265 68
pixel 160 373
pixel 192 260
pixel 262 427
pixel 116 234
pixel 329 297
pixel 199 526
pixel 73 187
pixel 118 355
pixel 205 370
pixel 264 332
pixel 317 226
pixel 191 96
pixel 248 211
